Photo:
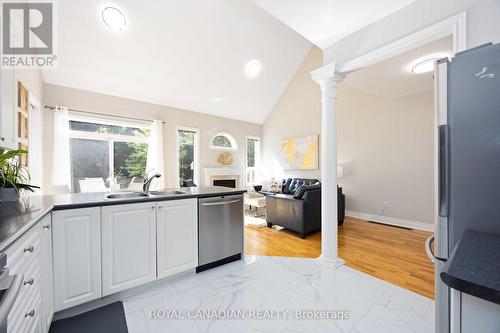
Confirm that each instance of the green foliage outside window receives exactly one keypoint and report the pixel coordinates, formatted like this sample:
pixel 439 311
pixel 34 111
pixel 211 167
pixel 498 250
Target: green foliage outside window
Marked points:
pixel 186 155
pixel 251 153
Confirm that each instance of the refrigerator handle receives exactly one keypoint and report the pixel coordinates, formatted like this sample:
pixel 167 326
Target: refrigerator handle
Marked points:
pixel 443 161
pixel 428 249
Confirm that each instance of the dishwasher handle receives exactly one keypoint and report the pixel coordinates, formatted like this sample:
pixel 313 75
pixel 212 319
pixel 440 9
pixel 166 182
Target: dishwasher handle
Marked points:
pixel 218 203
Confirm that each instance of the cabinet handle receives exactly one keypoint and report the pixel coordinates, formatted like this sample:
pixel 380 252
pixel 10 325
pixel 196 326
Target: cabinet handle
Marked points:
pixel 30 282
pixel 160 207
pixel 29 249
pixel 2 138
pixel 30 314
pixel 153 207
pixel 47 226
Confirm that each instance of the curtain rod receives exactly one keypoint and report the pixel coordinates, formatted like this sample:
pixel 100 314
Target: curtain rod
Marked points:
pixel 50 107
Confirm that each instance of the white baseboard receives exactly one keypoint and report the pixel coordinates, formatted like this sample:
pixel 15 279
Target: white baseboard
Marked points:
pixel 392 221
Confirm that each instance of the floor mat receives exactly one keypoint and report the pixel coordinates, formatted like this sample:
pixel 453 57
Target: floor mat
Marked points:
pixel 106 319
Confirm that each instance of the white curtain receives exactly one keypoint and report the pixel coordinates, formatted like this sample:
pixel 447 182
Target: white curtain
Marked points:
pixel 155 163
pixel 61 170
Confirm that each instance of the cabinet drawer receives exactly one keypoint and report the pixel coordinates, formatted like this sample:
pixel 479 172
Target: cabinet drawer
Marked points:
pixel 31 284
pixel 26 312
pixel 26 246
pixel 26 259
pixel 23 257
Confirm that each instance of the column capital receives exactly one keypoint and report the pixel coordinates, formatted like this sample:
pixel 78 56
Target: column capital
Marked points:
pixel 327 74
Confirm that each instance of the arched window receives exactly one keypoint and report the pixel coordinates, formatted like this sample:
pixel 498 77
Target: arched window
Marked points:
pixel 223 141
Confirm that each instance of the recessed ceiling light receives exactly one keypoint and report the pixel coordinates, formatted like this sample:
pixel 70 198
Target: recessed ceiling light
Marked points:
pixel 425 64
pixel 252 69
pixel 114 18
pixel 216 99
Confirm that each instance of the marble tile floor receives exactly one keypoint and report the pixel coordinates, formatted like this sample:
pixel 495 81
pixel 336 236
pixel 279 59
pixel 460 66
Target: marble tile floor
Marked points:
pixel 274 294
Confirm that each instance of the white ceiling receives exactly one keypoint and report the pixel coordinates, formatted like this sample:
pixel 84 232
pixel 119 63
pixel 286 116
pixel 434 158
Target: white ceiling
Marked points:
pixel 177 53
pixel 392 78
pixel 325 22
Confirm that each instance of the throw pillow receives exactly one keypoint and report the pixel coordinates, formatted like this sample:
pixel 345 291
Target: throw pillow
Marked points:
pixel 276 187
pixel 299 193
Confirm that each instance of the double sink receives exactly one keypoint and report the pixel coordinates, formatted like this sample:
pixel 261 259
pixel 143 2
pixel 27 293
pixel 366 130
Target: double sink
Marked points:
pixel 125 195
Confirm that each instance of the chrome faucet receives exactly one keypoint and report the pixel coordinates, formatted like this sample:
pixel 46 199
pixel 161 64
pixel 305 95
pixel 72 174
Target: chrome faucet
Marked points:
pixel 147 182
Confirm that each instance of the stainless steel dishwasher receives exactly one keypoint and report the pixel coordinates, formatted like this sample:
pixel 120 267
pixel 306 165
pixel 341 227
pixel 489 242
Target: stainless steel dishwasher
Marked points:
pixel 220 230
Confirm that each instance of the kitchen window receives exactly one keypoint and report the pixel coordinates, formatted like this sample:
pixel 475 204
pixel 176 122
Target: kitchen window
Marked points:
pixel 187 155
pixel 252 165
pixel 108 152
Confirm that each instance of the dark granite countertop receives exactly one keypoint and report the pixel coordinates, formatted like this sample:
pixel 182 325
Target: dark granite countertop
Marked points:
pixel 18 217
pixel 474 266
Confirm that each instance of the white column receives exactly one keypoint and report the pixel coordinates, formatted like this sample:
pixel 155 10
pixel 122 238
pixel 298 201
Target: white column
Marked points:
pixel 328 79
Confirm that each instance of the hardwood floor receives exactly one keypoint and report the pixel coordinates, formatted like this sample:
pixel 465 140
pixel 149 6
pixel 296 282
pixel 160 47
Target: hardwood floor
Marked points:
pixel 393 254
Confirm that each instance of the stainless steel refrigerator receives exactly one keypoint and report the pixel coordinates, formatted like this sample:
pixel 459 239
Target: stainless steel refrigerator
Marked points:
pixel 468 108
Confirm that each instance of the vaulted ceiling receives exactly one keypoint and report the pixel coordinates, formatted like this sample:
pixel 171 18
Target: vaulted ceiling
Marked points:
pixel 325 22
pixel 188 54
pixel 191 54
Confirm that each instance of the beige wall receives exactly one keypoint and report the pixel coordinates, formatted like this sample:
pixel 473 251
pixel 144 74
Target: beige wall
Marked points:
pixel 32 80
pixel 385 146
pixel 297 113
pixel 208 125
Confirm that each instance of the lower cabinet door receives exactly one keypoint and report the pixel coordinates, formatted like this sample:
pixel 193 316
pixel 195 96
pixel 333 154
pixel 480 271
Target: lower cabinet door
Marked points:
pixel 177 236
pixel 77 256
pixel 128 246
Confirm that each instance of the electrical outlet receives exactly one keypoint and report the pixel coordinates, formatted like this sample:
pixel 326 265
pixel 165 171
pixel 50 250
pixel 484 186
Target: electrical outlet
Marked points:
pixel 386 204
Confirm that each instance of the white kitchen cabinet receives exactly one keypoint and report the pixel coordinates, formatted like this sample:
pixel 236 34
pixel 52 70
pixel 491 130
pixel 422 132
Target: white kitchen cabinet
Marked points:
pixel 177 236
pixel 8 109
pixel 77 256
pixel 128 246
pixel 45 230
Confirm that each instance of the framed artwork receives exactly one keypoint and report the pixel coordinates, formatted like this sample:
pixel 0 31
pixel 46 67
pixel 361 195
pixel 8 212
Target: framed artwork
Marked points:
pixel 300 153
pixel 22 124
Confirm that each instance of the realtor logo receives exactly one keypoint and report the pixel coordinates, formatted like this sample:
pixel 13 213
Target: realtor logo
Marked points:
pixel 28 34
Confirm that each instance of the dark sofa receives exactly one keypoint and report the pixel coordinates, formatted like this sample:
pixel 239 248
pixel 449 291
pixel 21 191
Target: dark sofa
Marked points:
pixel 298 207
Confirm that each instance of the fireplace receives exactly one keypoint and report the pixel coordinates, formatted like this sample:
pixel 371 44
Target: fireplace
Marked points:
pixel 225 182
pixel 227 177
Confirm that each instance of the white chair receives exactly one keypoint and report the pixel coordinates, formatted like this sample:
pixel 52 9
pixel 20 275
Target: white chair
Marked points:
pixel 136 184
pixel 56 189
pixel 254 199
pixel 89 185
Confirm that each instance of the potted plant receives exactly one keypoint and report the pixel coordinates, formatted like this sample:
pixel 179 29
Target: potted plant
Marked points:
pixel 14 178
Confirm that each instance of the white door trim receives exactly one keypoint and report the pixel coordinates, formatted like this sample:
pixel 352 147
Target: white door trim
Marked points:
pixel 455 26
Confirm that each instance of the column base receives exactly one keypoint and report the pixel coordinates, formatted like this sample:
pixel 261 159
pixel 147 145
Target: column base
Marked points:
pixel 332 263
